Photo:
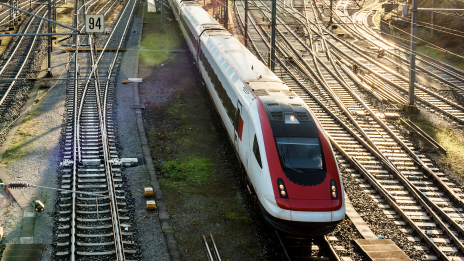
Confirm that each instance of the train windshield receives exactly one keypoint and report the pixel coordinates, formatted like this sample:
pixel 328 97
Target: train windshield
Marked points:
pixel 300 153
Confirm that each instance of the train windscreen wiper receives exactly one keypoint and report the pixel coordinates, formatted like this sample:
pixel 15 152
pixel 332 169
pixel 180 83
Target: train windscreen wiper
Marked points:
pixel 282 156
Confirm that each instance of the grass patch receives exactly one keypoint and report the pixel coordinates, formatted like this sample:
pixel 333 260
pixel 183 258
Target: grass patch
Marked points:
pixel 19 146
pixel 195 171
pixel 445 57
pixel 451 140
pixel 237 217
pixel 154 39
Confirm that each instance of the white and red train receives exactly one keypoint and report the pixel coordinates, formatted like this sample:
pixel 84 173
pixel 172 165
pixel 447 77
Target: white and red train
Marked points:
pixel 289 161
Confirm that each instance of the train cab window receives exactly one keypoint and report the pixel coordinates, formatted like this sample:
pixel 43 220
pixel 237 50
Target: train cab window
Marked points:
pixel 299 153
pixel 256 152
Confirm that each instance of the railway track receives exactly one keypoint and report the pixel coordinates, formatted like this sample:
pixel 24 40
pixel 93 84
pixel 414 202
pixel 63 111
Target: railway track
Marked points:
pixel 5 13
pixel 294 248
pixel 297 248
pixel 18 62
pixel 361 27
pixel 415 194
pixel 385 83
pixel 97 224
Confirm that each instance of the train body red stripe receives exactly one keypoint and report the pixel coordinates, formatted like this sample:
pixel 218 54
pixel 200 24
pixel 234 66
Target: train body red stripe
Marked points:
pixel 301 198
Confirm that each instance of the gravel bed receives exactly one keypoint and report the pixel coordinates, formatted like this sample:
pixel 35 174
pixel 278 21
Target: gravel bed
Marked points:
pixel 374 216
pixel 39 164
pixel 149 234
pixel 10 219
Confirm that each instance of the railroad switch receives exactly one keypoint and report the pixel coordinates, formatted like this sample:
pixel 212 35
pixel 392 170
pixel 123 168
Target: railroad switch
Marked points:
pixel 39 206
pixel 148 191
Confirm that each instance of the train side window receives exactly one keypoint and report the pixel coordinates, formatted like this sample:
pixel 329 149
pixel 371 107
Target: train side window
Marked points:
pixel 256 152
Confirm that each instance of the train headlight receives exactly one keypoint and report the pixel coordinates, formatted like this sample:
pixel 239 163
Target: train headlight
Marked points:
pixel 333 189
pixel 282 190
pixel 291 119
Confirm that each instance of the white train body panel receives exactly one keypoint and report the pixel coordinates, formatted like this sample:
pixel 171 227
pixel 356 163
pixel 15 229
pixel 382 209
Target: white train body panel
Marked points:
pixel 235 78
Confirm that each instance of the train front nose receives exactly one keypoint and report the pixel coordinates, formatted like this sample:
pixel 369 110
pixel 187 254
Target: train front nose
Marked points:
pixel 304 218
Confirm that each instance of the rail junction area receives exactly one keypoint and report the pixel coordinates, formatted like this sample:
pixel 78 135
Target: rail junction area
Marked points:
pixel 111 147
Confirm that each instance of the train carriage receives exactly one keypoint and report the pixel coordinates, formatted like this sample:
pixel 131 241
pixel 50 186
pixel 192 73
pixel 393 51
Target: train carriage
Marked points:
pixel 289 161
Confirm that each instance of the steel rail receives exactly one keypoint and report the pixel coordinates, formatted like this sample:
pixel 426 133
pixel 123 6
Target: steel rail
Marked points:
pixel 101 108
pixel 25 62
pixel 18 45
pixel 89 79
pixel 384 78
pixel 421 57
pixel 106 148
pixel 208 251
pixel 283 246
pixel 332 249
pixel 7 10
pixel 215 250
pixel 77 143
pixel 108 171
pixel 417 160
pixel 40 17
pixel 437 108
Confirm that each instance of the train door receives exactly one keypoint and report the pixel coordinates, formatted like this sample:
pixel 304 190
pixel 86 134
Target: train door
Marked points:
pixel 238 125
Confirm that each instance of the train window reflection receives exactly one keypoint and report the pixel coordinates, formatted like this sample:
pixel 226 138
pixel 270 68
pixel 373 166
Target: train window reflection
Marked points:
pixel 300 153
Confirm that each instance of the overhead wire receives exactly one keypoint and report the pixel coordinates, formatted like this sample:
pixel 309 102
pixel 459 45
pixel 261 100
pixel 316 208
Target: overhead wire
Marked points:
pixel 434 28
pixel 434 46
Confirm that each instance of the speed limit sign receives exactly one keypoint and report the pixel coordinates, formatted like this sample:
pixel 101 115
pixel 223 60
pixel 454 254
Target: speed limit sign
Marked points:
pixel 94 23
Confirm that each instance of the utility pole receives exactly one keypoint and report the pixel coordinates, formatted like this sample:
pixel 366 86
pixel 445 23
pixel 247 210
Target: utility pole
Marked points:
pixel 412 67
pixel 431 29
pixel 273 35
pixel 162 11
pixel 246 23
pixel 331 22
pixel 13 14
pixel 226 15
pixel 49 71
pixel 54 15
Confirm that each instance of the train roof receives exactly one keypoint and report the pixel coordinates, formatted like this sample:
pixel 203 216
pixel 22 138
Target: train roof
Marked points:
pixel 251 69
pixel 198 14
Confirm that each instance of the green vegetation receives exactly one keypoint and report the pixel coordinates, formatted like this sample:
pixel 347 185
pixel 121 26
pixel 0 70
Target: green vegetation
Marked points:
pixel 196 170
pixel 445 57
pixel 19 146
pixel 450 139
pixel 153 40
pixel 194 167
pixel 432 44
pixel 239 218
